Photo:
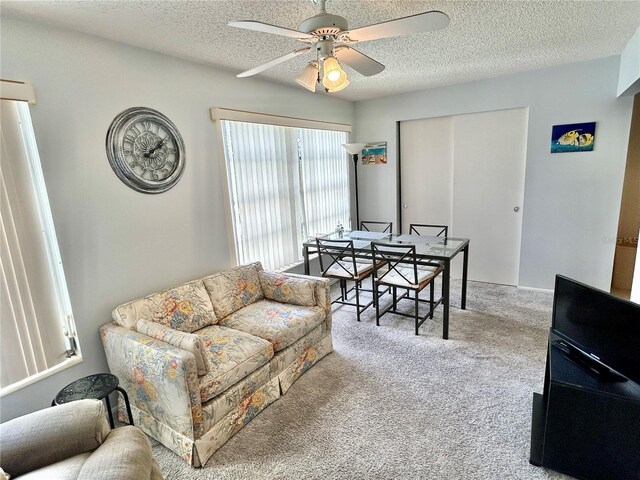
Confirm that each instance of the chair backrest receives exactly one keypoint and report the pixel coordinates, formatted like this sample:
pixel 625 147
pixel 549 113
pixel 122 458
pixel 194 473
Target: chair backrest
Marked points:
pixel 397 258
pixel 371 226
pixel 338 251
pixel 429 230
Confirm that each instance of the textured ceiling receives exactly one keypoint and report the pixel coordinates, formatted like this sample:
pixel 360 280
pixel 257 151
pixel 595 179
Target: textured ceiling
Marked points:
pixel 484 39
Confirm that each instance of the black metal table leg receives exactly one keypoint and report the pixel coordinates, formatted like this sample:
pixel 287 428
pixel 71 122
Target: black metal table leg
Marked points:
pixel 465 265
pixel 432 288
pixel 305 253
pixel 416 302
pixel 97 386
pixel 126 403
pixel 106 399
pixel 446 272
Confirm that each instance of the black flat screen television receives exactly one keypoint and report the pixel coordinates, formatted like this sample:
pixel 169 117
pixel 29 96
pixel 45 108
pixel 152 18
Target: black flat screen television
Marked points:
pixel 599 324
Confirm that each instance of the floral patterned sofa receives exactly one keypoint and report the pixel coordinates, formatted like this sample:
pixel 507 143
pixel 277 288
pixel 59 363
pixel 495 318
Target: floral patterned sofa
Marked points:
pixel 201 360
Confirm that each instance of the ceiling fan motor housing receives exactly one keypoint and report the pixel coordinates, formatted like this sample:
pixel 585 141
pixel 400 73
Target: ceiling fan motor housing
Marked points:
pixel 324 24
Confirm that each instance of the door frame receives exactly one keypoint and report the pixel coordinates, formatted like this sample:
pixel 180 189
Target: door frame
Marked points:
pixel 398 178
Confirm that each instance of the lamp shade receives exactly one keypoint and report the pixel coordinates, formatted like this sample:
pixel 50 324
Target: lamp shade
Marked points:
pixel 308 77
pixel 338 84
pixel 331 69
pixel 354 148
pixel 332 87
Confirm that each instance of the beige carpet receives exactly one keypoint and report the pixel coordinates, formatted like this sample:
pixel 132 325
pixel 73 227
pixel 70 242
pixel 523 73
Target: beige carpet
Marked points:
pixel 389 405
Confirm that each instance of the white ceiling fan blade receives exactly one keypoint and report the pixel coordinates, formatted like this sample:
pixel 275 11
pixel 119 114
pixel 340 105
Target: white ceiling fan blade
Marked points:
pixel 265 27
pixel 274 62
pixel 422 22
pixel 361 63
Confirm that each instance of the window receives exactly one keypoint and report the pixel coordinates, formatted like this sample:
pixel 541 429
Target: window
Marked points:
pixel 285 184
pixel 37 335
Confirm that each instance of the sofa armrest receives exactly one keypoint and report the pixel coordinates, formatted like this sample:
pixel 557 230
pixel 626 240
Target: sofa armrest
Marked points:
pixel 322 291
pixel 160 379
pixel 51 435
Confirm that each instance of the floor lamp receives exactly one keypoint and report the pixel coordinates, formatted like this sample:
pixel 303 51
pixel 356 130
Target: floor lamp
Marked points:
pixel 354 150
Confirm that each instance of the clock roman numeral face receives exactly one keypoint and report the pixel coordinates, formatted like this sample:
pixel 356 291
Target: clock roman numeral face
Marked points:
pixel 145 150
pixel 149 149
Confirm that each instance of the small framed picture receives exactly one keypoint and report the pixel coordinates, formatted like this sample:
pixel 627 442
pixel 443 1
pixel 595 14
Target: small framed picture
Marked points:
pixel 573 137
pixel 374 153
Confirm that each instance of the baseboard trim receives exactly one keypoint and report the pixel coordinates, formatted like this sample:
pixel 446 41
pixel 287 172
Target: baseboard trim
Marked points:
pixel 535 289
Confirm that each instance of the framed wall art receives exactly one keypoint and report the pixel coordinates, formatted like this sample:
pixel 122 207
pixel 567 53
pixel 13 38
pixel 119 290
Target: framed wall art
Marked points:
pixel 374 153
pixel 573 137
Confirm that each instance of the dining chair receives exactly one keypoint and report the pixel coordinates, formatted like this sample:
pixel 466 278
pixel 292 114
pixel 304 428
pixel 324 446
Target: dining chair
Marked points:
pixel 344 266
pixel 382 227
pixel 429 230
pixel 404 272
pixel 371 226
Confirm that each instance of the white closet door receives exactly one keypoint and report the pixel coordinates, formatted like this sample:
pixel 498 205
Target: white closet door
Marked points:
pixel 488 190
pixel 467 171
pixel 426 148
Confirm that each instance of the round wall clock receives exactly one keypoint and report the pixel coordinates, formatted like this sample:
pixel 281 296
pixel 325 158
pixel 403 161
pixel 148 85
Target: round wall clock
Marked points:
pixel 145 150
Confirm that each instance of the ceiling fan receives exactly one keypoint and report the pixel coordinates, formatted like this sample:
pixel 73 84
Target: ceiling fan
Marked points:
pixel 329 37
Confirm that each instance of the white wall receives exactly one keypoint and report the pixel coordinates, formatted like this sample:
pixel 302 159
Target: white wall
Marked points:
pixel 629 77
pixel 572 200
pixel 118 244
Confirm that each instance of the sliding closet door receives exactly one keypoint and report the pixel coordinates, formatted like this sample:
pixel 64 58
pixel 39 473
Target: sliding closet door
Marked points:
pixel 467 171
pixel 426 149
pixel 488 190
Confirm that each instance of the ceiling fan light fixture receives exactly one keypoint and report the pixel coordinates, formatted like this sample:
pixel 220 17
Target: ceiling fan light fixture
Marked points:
pixel 331 68
pixel 335 86
pixel 308 77
pixel 336 79
pixel 331 39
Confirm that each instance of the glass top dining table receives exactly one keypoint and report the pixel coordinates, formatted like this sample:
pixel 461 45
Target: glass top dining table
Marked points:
pixel 441 249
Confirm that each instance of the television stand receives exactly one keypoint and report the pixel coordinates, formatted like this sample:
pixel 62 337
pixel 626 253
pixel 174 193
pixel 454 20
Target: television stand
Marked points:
pixel 590 364
pixel 586 423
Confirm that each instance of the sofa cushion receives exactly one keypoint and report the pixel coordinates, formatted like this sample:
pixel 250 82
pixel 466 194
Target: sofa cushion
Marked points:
pixel 231 356
pixel 186 341
pixel 285 289
pixel 279 323
pixel 284 358
pixel 235 288
pixel 186 307
pixel 218 407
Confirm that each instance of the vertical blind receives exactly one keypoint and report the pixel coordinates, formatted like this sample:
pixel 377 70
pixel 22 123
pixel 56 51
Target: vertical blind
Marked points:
pixel 325 178
pixel 284 184
pixel 33 316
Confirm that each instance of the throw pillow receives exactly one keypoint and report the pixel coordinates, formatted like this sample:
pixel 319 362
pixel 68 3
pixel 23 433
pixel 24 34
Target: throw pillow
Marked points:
pixel 186 308
pixel 233 289
pixel 185 341
pixel 284 289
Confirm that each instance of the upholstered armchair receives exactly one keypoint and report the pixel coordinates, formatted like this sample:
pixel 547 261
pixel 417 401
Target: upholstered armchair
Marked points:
pixel 74 441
